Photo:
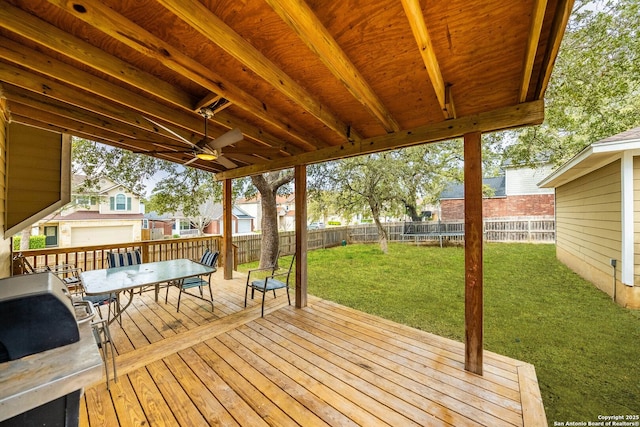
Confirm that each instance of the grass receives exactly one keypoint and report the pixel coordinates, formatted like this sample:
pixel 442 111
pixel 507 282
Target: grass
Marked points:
pixel 585 348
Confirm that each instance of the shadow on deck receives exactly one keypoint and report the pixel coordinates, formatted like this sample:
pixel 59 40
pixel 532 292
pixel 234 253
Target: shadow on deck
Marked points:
pixel 322 365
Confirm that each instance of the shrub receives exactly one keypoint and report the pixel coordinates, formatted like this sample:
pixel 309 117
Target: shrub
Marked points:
pixel 334 223
pixel 35 242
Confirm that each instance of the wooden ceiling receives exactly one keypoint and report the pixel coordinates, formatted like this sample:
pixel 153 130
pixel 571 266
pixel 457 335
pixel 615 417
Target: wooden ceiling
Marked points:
pixel 304 81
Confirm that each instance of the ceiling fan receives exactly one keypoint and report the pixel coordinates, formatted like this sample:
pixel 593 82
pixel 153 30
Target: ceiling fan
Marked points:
pixel 205 149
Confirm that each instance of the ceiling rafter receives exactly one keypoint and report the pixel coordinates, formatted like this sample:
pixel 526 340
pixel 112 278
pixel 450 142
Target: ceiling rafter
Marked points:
pixel 28 111
pixel 537 19
pixel 529 113
pixel 51 37
pixel 85 81
pixel 111 129
pixel 420 32
pixel 304 22
pixel 120 28
pixel 213 28
pixel 559 25
pixel 45 34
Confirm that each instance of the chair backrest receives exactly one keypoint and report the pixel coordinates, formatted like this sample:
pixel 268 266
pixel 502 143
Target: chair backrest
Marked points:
pixel 116 259
pixel 293 260
pixel 210 258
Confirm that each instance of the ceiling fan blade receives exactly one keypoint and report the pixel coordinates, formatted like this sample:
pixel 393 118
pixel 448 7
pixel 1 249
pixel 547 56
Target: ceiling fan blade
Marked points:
pixel 172 132
pixel 188 162
pixel 225 139
pixel 226 162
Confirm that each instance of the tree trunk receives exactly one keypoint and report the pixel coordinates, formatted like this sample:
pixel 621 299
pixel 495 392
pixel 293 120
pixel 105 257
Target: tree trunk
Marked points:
pixel 270 244
pixel 382 233
pixel 412 211
pixel 267 185
pixel 24 239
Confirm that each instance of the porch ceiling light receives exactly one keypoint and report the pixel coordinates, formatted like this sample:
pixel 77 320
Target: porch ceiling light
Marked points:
pixel 207 156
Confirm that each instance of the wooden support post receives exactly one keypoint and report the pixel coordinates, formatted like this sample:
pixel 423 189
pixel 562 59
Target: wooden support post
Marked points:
pixel 227 227
pixel 301 235
pixel 473 251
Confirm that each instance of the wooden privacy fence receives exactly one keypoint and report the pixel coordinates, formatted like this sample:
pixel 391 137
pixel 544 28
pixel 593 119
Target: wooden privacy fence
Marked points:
pixel 247 248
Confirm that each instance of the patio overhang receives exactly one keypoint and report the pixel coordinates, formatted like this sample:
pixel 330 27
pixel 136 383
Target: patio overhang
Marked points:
pixel 305 82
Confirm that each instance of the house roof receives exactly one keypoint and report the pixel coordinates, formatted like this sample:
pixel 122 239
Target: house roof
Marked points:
pixel 456 191
pixel 305 82
pixel 236 211
pixel 593 157
pixel 91 215
pixel 155 216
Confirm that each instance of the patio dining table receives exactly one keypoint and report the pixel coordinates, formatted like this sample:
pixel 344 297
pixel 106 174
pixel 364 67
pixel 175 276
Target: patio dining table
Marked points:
pixel 126 279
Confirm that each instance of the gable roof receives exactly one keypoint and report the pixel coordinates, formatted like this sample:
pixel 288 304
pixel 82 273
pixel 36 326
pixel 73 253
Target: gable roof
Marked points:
pixel 593 157
pixel 305 82
pixel 236 211
pixel 456 191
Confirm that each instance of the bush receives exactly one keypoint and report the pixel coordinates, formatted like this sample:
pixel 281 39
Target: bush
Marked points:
pixel 35 242
pixel 334 223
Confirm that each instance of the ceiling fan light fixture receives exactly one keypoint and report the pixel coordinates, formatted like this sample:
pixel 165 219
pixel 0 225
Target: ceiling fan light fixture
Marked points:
pixel 206 156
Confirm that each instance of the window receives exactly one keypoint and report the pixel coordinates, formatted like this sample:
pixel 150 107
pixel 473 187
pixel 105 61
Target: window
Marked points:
pixel 145 224
pixel 51 235
pixel 120 203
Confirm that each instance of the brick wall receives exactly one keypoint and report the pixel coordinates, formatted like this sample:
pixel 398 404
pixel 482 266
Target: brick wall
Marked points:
pixel 511 206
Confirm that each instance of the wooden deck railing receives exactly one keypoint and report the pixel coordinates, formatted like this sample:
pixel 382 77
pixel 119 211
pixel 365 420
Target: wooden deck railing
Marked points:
pixel 94 257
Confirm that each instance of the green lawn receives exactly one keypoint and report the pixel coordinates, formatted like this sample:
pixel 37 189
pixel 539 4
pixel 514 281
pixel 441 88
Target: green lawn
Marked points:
pixel 586 349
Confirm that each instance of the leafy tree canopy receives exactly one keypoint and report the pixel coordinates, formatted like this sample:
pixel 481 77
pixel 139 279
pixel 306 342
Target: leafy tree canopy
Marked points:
pixel 594 91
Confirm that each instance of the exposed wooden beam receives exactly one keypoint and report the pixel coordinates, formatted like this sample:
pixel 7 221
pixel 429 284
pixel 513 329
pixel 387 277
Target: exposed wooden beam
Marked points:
pixel 52 122
pixel 473 236
pixel 45 34
pixel 209 99
pixel 117 26
pixel 529 113
pixel 419 28
pixel 300 176
pixel 213 28
pixel 561 18
pixel 313 33
pixel 108 95
pixel 537 19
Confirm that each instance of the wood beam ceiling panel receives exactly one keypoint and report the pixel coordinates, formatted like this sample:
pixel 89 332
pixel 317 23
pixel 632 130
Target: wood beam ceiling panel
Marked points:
pixel 537 19
pixel 420 32
pixel 215 30
pixel 30 114
pixel 47 35
pixel 561 18
pixel 60 71
pixel 312 32
pixel 120 28
pixel 531 113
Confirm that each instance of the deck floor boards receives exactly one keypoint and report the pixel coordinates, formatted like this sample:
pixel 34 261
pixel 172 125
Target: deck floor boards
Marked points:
pixel 325 365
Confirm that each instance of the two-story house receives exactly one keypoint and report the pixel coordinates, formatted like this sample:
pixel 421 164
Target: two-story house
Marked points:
pixel 110 214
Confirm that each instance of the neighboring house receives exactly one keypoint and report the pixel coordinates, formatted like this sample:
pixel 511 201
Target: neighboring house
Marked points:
pixel 598 214
pixel 285 206
pixel 242 222
pixel 512 195
pixel 111 214
pixel 155 226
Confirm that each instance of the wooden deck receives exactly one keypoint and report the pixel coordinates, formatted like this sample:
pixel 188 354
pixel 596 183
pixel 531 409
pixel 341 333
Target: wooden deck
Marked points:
pixel 322 365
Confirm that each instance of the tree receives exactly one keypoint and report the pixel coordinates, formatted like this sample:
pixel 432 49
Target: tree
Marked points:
pixel 594 91
pixel 268 184
pixel 364 184
pixel 181 189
